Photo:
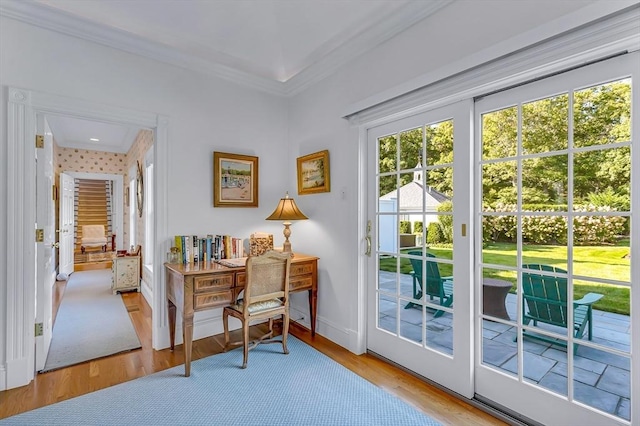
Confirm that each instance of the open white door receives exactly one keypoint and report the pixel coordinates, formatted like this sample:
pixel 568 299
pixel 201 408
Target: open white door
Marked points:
pixel 45 253
pixel 66 221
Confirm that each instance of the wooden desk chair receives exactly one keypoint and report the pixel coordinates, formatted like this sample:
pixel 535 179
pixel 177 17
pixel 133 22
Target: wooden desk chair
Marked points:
pixel 266 295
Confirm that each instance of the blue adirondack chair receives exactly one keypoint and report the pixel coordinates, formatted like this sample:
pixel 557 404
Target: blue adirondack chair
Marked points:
pixel 438 287
pixel 545 299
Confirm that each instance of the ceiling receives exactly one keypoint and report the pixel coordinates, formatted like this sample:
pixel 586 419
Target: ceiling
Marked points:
pixel 277 46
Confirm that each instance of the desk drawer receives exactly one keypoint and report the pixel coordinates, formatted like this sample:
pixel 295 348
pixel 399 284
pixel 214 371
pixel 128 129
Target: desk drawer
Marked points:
pixel 212 282
pixel 300 269
pixel 300 283
pixel 213 299
pixel 241 279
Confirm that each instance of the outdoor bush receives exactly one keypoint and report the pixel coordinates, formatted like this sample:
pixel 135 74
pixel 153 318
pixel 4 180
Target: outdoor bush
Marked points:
pixel 434 233
pixel 553 229
pixel 405 227
pixel 417 227
pixel 446 221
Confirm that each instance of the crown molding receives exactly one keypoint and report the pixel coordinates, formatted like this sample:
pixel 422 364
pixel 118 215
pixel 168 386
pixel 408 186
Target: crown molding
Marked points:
pixel 321 65
pixel 64 23
pixel 365 40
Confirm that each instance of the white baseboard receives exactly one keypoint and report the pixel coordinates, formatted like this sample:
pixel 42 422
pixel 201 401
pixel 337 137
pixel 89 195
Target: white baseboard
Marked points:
pixel 3 378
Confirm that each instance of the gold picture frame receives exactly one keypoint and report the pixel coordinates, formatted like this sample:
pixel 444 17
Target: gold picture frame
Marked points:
pixel 235 180
pixel 313 173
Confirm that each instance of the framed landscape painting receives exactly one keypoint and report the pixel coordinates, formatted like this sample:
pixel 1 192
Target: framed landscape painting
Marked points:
pixel 313 173
pixel 235 180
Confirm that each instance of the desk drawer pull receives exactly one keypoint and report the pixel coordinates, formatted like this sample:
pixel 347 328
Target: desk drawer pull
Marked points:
pixel 305 268
pixel 209 282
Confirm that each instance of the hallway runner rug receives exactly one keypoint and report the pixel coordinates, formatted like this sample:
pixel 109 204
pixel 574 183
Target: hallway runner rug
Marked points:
pixel 92 322
pixel 302 388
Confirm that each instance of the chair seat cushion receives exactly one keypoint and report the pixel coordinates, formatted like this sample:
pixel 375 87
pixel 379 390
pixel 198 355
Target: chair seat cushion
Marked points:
pixel 259 306
pixel 94 241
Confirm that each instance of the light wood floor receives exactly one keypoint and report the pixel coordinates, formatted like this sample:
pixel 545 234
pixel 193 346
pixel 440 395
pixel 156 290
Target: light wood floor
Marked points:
pixel 65 383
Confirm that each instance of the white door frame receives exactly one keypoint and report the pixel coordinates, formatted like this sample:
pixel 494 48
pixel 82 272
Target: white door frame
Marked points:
pixel 22 107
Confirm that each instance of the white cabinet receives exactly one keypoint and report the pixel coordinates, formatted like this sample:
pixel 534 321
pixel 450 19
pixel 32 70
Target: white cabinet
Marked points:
pixel 125 273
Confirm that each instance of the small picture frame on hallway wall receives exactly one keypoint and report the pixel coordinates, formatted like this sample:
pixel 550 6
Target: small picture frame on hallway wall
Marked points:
pixel 313 173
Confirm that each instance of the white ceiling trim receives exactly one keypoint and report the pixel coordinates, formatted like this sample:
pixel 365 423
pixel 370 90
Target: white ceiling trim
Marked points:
pixel 363 40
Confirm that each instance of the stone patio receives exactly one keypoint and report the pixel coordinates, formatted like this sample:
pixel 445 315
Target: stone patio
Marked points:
pixel 601 379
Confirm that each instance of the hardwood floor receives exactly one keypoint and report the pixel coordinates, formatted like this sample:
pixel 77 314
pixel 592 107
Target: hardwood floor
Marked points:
pixel 69 382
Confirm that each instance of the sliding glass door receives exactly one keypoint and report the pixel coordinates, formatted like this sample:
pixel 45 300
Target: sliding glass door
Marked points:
pixel 420 247
pixel 555 232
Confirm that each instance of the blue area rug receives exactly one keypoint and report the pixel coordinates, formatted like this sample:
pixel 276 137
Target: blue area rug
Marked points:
pixel 302 388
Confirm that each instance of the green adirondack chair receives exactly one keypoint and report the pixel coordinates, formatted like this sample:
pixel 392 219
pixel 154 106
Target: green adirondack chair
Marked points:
pixel 545 298
pixel 439 288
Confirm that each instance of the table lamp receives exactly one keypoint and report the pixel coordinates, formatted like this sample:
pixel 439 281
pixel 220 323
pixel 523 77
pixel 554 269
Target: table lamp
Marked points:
pixel 287 211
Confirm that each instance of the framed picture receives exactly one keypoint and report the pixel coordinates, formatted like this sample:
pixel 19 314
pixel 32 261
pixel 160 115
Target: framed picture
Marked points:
pixel 313 173
pixel 235 180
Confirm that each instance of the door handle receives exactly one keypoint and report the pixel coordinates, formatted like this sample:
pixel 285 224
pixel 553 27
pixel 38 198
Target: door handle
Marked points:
pixel 56 245
pixel 368 239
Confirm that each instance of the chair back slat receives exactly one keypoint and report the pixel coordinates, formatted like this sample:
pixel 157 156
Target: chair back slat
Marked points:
pixel 433 278
pixel 545 295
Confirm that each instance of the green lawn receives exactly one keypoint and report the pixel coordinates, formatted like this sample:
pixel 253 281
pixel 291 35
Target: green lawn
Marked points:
pixel 610 262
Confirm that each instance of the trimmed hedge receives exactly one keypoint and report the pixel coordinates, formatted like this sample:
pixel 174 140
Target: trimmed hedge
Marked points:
pixel 405 227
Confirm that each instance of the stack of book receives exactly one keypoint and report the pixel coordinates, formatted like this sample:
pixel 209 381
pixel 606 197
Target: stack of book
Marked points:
pixel 195 249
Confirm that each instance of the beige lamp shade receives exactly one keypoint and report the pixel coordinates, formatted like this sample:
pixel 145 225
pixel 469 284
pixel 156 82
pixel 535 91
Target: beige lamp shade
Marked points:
pixel 287 210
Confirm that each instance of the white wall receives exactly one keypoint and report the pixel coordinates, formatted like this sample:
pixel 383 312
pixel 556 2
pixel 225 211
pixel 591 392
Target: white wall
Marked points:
pixel 205 114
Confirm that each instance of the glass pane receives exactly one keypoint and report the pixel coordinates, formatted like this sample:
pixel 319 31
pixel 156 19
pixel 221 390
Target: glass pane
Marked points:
pixel 439 143
pixel 602 380
pixel 411 320
pixel 387 230
pixel 387 279
pixel 602 114
pixel 500 133
pixel 545 240
pixel 387 154
pixel 410 195
pixel 437 285
pixel 601 248
pixel 411 274
pixel 602 179
pixel 499 294
pixel 609 320
pixel 387 313
pixel 548 369
pixel 499 348
pixel 411 149
pixel 500 186
pixel 544 183
pixel 439 333
pixel 545 313
pixel 545 125
pixel 438 186
pixel 499 240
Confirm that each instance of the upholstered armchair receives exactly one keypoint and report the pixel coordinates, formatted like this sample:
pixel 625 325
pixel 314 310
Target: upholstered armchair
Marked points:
pixel 93 236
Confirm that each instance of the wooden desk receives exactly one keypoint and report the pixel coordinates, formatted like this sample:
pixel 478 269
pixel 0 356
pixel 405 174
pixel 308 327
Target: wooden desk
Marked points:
pixel 198 287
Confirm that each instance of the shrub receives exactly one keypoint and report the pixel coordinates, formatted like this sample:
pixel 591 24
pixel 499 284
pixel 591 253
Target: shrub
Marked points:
pixel 434 233
pixel 417 227
pixel 446 221
pixel 405 227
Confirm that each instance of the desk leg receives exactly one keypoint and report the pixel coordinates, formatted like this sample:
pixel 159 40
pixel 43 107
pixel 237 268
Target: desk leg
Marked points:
pixel 313 306
pixel 187 334
pixel 172 323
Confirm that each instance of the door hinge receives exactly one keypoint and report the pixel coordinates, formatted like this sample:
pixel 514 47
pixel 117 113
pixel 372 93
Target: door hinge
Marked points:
pixel 39 329
pixel 39 141
pixel 39 235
